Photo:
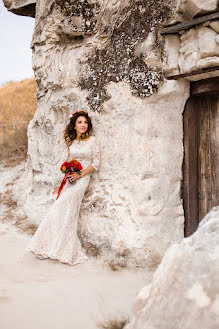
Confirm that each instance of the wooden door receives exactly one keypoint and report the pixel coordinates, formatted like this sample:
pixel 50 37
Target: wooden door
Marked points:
pixel 201 153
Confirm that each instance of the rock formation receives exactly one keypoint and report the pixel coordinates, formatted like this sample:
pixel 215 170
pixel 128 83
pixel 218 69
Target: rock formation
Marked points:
pixel 187 9
pixel 21 7
pixel 197 47
pixel 107 57
pixel 184 292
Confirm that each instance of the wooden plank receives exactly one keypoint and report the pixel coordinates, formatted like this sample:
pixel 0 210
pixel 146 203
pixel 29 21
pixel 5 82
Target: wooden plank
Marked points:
pixel 188 24
pixel 204 155
pixel 205 87
pixel 194 72
pixel 201 157
pixel 190 163
pixel 214 144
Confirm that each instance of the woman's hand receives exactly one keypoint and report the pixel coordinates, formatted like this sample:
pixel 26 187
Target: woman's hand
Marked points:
pixel 74 176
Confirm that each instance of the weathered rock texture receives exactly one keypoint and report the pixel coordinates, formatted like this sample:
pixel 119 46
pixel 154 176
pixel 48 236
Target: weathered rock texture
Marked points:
pixel 195 48
pixel 187 9
pixel 21 7
pixel 184 292
pixel 107 57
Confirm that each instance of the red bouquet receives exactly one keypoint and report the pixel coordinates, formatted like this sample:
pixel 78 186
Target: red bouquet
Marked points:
pixel 67 168
pixel 71 166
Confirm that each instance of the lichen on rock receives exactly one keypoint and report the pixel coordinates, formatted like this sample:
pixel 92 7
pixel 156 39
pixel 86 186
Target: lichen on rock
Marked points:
pixel 84 9
pixel 116 61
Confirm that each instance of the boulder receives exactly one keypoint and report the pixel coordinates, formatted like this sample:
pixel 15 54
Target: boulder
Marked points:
pixel 207 41
pixel 187 9
pixel 85 55
pixel 184 292
pixel 198 49
pixel 21 7
pixel 215 26
pixel 172 46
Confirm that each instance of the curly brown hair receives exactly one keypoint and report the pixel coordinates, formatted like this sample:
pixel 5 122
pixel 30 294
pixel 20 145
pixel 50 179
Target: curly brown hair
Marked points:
pixel 70 133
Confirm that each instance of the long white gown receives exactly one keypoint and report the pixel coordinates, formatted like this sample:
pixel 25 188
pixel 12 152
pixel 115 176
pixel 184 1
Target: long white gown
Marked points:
pixel 56 236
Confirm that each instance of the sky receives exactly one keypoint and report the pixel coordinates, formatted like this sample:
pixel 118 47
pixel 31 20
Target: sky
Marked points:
pixel 15 39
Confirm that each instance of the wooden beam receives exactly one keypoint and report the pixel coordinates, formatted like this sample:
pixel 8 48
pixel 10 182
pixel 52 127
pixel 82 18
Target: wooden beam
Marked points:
pixel 190 166
pixel 195 72
pixel 187 24
pixel 205 87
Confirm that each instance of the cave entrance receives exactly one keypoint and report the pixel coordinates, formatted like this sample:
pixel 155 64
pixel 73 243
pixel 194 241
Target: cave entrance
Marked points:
pixel 201 152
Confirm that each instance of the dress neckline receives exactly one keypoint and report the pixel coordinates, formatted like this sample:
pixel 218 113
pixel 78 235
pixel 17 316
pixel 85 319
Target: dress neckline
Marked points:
pixel 85 140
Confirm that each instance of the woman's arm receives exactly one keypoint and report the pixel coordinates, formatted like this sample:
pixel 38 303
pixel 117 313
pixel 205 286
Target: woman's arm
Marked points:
pixel 66 153
pixel 94 166
pixel 84 172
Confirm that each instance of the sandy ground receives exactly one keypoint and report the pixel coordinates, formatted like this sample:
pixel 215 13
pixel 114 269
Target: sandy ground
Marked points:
pixel 47 294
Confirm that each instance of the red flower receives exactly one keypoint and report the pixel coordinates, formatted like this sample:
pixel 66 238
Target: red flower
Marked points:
pixel 67 167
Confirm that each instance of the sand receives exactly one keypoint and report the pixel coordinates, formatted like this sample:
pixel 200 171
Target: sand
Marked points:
pixel 47 294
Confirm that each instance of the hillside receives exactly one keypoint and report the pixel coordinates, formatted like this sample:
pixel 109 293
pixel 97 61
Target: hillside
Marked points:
pixel 18 100
pixel 17 103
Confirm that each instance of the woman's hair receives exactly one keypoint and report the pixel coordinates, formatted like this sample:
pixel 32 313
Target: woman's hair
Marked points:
pixel 70 133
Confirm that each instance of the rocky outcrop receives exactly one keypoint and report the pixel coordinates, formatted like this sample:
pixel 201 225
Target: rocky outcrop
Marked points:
pixel 192 49
pixel 106 57
pixel 184 292
pixel 199 49
pixel 21 7
pixel 187 9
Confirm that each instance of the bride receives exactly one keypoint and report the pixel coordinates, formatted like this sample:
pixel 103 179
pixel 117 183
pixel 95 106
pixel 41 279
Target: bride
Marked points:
pixel 56 236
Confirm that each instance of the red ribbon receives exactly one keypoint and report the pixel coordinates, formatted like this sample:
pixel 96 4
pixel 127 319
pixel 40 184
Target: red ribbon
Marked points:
pixel 59 189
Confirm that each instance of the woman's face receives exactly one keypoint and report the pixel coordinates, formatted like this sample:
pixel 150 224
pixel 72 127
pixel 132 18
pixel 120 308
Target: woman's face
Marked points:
pixel 81 125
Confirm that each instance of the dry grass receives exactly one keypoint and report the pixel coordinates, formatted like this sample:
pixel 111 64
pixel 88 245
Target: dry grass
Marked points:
pixel 10 216
pixel 17 103
pixel 18 100
pixel 15 149
pixel 118 322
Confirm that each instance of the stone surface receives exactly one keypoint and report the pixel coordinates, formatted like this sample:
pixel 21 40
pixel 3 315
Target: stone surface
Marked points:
pixel 132 210
pixel 146 49
pixel 207 42
pixel 187 9
pixel 129 216
pixel 21 7
pixel 215 26
pixel 105 57
pixel 208 62
pixel 198 49
pixel 184 292
pixel 198 46
pixel 172 46
pixel 189 51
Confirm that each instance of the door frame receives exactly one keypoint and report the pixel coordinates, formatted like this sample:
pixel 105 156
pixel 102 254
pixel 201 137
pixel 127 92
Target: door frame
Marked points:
pixel 190 182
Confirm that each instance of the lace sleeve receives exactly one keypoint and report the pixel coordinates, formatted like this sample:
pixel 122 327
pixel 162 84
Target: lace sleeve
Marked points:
pixel 66 153
pixel 95 154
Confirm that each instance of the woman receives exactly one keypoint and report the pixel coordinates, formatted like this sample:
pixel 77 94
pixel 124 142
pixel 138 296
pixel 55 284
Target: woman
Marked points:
pixel 56 237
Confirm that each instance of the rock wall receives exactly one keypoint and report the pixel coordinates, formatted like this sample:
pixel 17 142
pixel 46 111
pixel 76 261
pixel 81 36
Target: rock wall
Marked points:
pixel 106 57
pixel 194 48
pixel 21 7
pixel 184 292
pixel 187 9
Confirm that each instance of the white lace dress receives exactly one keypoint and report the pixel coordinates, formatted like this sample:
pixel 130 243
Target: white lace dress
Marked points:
pixel 56 236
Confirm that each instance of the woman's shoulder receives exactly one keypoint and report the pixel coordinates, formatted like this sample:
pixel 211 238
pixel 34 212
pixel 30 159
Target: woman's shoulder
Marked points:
pixel 93 138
